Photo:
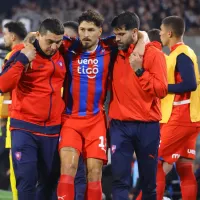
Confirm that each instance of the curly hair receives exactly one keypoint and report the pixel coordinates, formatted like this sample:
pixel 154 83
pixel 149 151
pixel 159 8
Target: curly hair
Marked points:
pixel 91 16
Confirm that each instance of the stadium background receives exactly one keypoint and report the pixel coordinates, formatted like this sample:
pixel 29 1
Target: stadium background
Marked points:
pixel 151 13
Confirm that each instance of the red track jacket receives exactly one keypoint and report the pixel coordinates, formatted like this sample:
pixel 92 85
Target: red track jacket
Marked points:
pixel 36 93
pixel 138 98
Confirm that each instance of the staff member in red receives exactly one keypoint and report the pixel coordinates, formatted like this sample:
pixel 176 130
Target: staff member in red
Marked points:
pixel 36 111
pixel 137 87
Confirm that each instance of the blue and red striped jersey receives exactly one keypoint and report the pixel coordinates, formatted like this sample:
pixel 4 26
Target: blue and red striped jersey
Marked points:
pixel 86 82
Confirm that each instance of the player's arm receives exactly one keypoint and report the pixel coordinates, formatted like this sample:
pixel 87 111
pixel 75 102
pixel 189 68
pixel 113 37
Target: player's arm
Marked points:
pixel 154 79
pixel 143 39
pixel 185 67
pixel 69 43
pixel 14 68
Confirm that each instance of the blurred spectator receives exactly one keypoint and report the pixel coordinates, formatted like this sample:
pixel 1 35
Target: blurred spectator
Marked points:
pixel 151 13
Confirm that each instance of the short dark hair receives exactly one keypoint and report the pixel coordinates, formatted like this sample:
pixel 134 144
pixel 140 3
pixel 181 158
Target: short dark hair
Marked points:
pixel 154 35
pixel 17 28
pixel 71 24
pixel 126 19
pixel 91 16
pixel 52 25
pixel 176 23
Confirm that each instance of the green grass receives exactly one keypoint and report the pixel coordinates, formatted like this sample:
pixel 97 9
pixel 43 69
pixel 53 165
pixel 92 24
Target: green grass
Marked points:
pixel 5 195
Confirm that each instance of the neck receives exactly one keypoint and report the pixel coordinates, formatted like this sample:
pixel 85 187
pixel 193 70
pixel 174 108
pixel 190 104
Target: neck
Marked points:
pixel 15 43
pixel 174 41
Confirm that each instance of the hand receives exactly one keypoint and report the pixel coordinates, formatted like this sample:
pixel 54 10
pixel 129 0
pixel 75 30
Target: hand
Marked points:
pixel 30 38
pixel 143 39
pixel 29 51
pixel 142 35
pixel 136 61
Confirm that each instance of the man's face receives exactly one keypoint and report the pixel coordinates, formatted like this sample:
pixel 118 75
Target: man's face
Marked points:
pixel 165 34
pixel 125 37
pixel 89 34
pixel 8 38
pixel 49 42
pixel 70 32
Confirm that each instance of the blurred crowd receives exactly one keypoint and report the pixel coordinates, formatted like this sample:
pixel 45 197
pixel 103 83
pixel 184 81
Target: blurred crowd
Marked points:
pixel 151 13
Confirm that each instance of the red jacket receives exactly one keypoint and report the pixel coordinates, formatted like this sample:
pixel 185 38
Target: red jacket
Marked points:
pixel 36 93
pixel 138 98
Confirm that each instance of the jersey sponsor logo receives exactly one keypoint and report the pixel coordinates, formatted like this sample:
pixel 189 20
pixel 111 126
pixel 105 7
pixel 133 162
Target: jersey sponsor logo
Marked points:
pixel 175 155
pixel 91 71
pixel 191 151
pixel 18 155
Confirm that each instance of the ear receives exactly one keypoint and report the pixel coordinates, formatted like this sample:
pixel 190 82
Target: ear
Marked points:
pixel 13 37
pixel 37 35
pixel 100 31
pixel 134 33
pixel 170 34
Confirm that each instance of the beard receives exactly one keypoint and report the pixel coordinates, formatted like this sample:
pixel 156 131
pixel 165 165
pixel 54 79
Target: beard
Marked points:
pixel 125 45
pixel 88 45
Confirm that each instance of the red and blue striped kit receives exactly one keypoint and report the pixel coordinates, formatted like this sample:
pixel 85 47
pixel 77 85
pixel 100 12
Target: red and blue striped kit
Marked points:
pixel 86 82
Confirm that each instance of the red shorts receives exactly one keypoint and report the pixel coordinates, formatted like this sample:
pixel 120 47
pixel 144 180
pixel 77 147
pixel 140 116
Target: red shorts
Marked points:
pixel 86 134
pixel 177 141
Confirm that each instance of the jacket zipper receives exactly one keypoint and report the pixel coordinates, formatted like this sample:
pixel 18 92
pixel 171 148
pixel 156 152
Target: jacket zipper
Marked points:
pixel 52 90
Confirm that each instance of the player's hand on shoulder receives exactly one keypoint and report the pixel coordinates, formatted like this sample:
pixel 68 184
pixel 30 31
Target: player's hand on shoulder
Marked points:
pixel 143 36
pixel 30 38
pixel 136 61
pixel 143 39
pixel 29 51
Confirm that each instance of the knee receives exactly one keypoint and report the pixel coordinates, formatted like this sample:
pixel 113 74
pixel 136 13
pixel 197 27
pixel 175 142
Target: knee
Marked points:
pixel 94 174
pixel 68 168
pixel 69 161
pixel 26 177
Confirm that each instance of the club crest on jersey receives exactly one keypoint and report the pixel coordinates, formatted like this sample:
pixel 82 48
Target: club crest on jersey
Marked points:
pixel 88 67
pixel 18 155
pixel 113 149
pixel 61 65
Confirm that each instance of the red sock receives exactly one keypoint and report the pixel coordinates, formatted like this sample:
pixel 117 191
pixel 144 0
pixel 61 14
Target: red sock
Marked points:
pixel 160 181
pixel 65 190
pixel 139 197
pixel 188 180
pixel 94 191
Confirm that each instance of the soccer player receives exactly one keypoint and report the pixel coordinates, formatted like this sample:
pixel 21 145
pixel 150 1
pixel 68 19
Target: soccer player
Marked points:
pixel 71 29
pixel 13 34
pixel 84 126
pixel 35 76
pixel 138 84
pixel 180 110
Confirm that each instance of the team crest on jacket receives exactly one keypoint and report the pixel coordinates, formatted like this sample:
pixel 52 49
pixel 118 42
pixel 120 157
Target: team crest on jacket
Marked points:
pixel 113 148
pixel 61 65
pixel 18 155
